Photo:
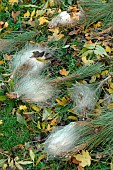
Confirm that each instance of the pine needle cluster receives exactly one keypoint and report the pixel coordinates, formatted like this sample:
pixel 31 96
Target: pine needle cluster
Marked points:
pixel 98 11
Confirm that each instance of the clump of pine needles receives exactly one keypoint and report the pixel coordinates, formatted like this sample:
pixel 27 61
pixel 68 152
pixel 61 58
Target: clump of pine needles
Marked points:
pixel 98 11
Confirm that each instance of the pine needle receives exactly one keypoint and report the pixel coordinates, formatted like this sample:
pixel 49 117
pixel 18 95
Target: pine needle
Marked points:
pixel 81 73
pixel 17 40
pixel 98 10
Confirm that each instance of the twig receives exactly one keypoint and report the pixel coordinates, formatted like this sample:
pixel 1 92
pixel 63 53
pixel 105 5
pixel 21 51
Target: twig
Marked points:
pixel 102 82
pixel 62 79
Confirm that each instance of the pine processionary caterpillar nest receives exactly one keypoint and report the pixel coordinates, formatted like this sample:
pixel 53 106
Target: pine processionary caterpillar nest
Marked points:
pixel 62 141
pixel 84 97
pixel 29 84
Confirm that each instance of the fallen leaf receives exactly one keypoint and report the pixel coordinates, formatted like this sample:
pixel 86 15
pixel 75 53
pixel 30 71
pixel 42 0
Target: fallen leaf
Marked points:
pixel 62 102
pixel 20 119
pixel 2 161
pixel 7 57
pixel 74 160
pixel 110 106
pixel 13 1
pixel 64 72
pixel 18 166
pixel 15 14
pixel 25 162
pixel 55 37
pixel 48 128
pixel 38 125
pixel 6 25
pixel 40 158
pixel 27 14
pixel 32 155
pixel 108 49
pixel 35 108
pixel 97 25
pixel 87 62
pixel 4 167
pixel 72 118
pixel 74 47
pixel 85 158
pixel 32 14
pixel 1 122
pixel 12 95
pixel 80 168
pixel 1 62
pixel 43 20
pixel 22 107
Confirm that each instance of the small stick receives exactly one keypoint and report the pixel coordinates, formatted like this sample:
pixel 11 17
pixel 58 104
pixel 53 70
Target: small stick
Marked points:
pixel 102 82
pixel 62 79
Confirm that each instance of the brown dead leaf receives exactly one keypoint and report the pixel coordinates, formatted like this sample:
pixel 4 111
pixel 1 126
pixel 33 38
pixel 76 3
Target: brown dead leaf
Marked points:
pixel 74 160
pixel 1 62
pixel 12 95
pixel 7 57
pixel 80 168
pixel 14 15
pixel 1 24
pixel 64 72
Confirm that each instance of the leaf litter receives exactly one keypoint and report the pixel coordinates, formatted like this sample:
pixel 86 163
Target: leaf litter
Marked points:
pixel 31 85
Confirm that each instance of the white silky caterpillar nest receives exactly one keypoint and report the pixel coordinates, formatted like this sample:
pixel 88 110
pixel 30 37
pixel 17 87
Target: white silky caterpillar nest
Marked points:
pixel 84 97
pixel 62 141
pixel 29 84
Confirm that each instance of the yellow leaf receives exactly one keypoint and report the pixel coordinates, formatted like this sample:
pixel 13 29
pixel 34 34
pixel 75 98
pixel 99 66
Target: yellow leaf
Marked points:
pixel 18 166
pixel 32 155
pixel 1 122
pixel 105 72
pixel 32 13
pixel 35 108
pixel 22 107
pixel 72 117
pixel 38 125
pixel 55 37
pixel 110 106
pixel 110 90
pixel 98 24
pixel 43 125
pixel 48 127
pixel 108 49
pixel 40 158
pixel 13 1
pixel 54 30
pixel 40 12
pixel 74 47
pixel 93 79
pixel 64 72
pixel 6 25
pixel 27 14
pixel 84 158
pixel 51 3
pixel 1 62
pixel 87 62
pixel 62 101
pixel 42 20
pixel 53 122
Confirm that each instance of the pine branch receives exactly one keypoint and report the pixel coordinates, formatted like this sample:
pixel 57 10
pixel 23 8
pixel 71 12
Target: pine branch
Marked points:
pixel 98 11
pixel 81 73
pixel 15 40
